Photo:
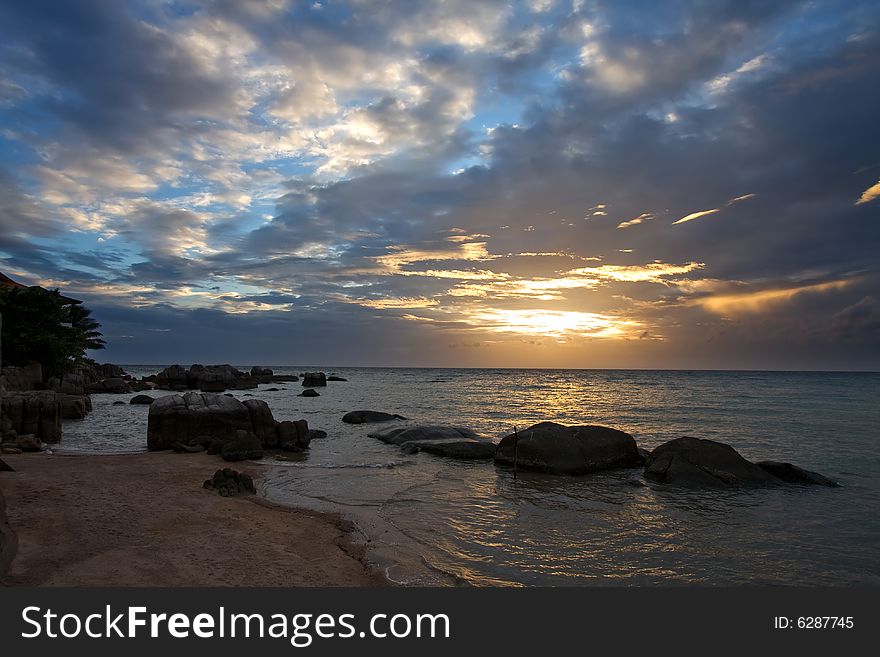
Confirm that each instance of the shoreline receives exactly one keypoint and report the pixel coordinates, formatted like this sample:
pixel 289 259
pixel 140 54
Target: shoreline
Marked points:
pixel 144 519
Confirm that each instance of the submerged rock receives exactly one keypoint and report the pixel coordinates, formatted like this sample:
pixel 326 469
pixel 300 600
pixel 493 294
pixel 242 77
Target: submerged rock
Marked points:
pixel 335 378
pixel 452 442
pixel 560 449
pixel 364 417
pixel 704 463
pixel 142 399
pixel 791 474
pixel 309 393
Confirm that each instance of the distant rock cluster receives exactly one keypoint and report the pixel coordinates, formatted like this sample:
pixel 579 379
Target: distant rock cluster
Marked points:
pixel 221 425
pixel 214 378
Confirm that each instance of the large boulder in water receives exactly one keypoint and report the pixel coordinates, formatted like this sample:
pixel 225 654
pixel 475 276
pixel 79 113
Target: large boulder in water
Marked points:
pixel 172 377
pixel 243 446
pixel 180 418
pixel 453 442
pixel 703 463
pixel 74 407
pixel 791 474
pixel 314 379
pixel 294 436
pixel 142 399
pixel 262 422
pixel 364 417
pixel 575 450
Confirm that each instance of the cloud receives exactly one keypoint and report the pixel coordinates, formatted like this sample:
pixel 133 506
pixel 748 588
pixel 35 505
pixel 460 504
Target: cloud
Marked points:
pixel 703 213
pixel 869 194
pixel 635 221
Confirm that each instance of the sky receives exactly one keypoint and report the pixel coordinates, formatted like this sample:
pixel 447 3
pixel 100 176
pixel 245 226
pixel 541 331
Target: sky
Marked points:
pixel 467 183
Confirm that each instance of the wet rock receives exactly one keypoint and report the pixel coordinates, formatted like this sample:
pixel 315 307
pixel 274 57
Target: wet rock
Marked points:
pixel 9 448
pixel 74 407
pixel 572 450
pixel 364 417
pixel 702 463
pixel 262 422
pixel 293 436
pixel 178 418
pixel 142 399
pixel 28 442
pixel 119 403
pixel 245 445
pixel 309 393
pixel 180 448
pixel 317 434
pixel 792 474
pixel 314 379
pixel 452 442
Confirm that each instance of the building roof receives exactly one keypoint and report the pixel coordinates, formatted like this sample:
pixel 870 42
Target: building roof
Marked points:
pixel 7 282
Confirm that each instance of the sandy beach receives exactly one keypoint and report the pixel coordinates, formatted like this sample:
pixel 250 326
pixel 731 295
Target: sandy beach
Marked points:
pixel 145 520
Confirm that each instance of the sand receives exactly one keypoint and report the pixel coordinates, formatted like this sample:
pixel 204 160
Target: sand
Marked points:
pixel 145 520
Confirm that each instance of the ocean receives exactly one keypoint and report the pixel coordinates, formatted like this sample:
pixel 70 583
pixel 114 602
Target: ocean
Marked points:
pixel 431 521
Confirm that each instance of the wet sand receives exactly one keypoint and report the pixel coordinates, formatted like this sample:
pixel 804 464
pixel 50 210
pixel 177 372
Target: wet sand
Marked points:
pixel 145 520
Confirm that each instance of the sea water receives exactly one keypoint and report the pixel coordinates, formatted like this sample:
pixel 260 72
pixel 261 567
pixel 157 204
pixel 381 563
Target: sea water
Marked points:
pixel 428 520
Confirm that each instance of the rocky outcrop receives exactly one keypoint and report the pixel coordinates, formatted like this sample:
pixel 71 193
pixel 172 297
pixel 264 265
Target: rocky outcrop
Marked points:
pixel 207 378
pixel 294 436
pixel 142 399
pixel 452 442
pixel 114 386
pixel 572 450
pixel 228 483
pixel 75 407
pixel 262 422
pixel 702 463
pixel 34 412
pixel 791 474
pixel 18 379
pixel 8 540
pixel 243 446
pixel 181 418
pixel 262 374
pixel 365 417
pixel 69 384
pixel 314 379
pixel 216 421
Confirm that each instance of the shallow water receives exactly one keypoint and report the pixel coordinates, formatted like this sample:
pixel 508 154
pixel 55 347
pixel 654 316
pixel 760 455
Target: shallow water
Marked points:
pixel 429 520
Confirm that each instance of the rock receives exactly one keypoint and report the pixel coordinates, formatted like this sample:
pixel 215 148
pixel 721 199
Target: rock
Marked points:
pixel 8 448
pixel 245 445
pixel 139 386
pixel 314 379
pixel 704 463
pixel 5 467
pixel 178 418
pixel 142 399
pixel 575 450
pixel 791 474
pixel 19 379
pixel 8 540
pixel 309 393
pixel 114 386
pixel 180 448
pixel 212 382
pixel 172 377
pixel 261 374
pixel 74 407
pixel 317 434
pixel 36 412
pixel 362 417
pixel 336 378
pixel 119 403
pixel 284 378
pixel 262 422
pixel 28 442
pixel 273 389
pixel 229 483
pixel 453 442
pixel 73 383
pixel 293 436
